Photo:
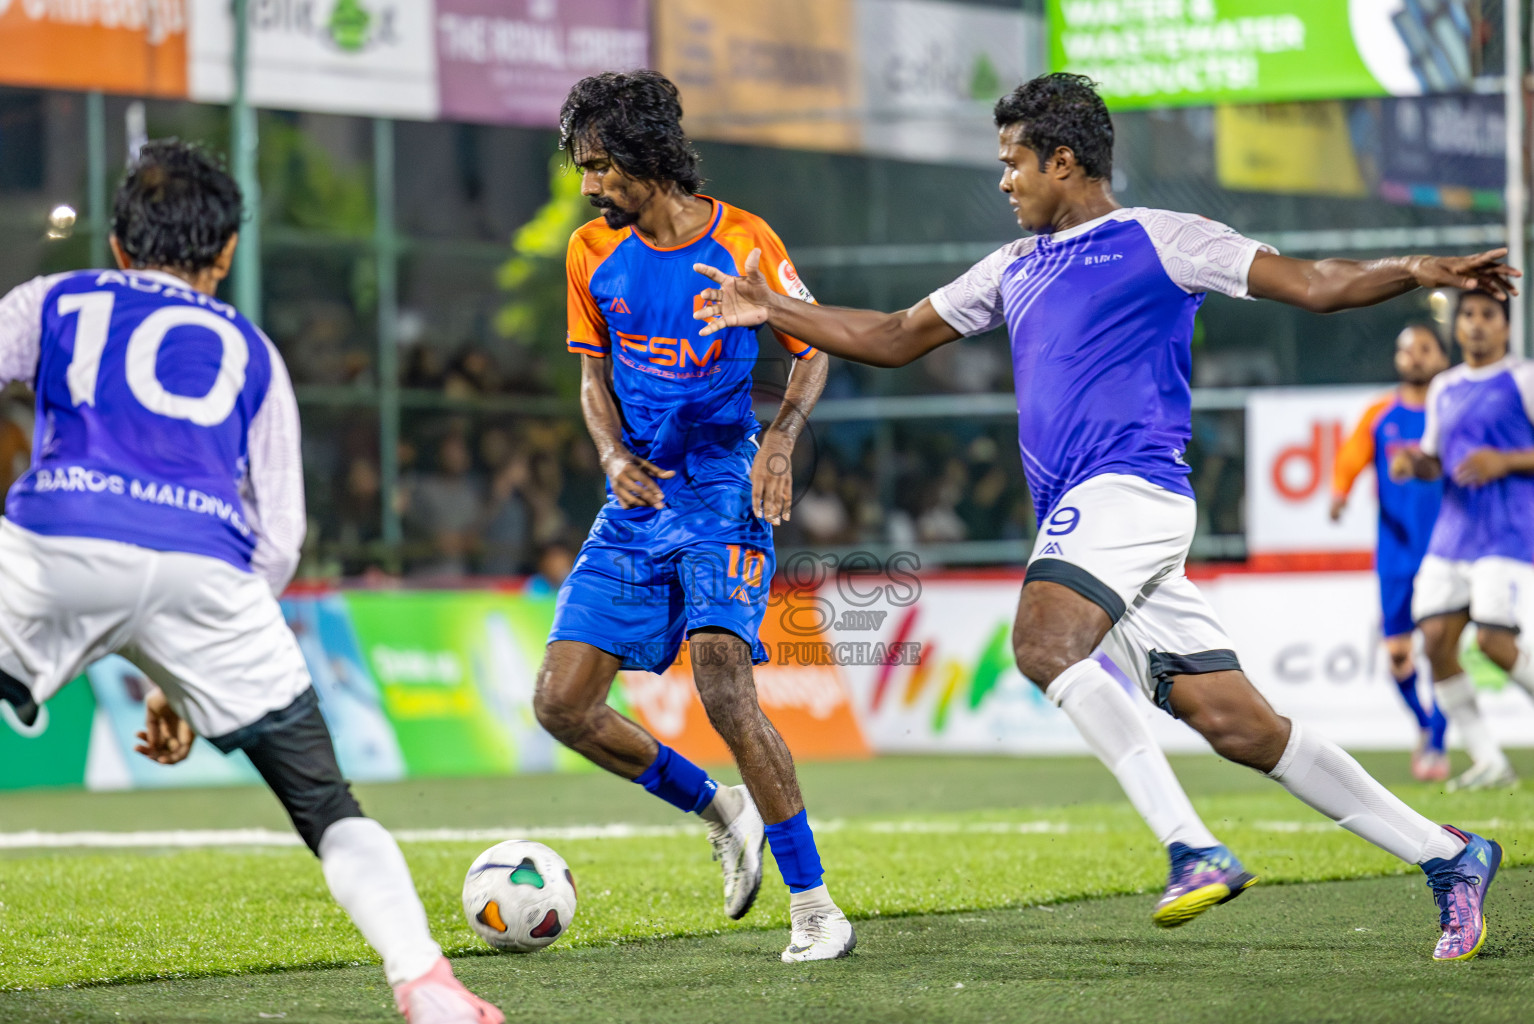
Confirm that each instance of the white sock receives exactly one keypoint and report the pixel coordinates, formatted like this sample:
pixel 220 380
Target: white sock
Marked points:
pixel 1523 671
pixel 816 899
pixel 725 805
pixel 1456 696
pixel 1322 774
pixel 368 876
pixel 1112 726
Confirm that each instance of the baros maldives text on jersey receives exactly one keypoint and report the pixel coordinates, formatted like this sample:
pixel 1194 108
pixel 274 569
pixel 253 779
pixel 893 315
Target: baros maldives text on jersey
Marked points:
pixel 150 397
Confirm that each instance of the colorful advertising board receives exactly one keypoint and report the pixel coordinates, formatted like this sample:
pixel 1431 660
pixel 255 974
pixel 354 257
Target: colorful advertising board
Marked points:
pixel 1158 54
pixel 931 72
pixel 425 684
pixel 370 57
pixel 433 684
pixel 1292 438
pixel 132 46
pixel 514 61
pixel 779 74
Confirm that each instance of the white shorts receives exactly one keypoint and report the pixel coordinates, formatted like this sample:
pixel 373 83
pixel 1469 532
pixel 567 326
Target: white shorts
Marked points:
pixel 1487 588
pixel 1122 543
pixel 210 636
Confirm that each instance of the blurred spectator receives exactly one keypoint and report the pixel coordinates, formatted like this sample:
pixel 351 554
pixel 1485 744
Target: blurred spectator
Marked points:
pixel 15 448
pixel 508 523
pixel 446 507
pixel 555 560
pixel 821 514
pixel 359 515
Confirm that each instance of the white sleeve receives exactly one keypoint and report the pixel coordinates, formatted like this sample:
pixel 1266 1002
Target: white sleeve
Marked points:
pixel 1523 377
pixel 971 304
pixel 1201 255
pixel 21 329
pixel 274 498
pixel 1429 444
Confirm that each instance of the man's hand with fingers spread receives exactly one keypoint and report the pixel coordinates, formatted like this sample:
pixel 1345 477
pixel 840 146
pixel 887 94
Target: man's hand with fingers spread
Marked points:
pixel 772 485
pixel 1483 271
pixel 633 480
pixel 738 301
pixel 166 738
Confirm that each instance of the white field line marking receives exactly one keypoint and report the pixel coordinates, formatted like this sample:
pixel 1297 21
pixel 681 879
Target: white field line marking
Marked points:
pixel 191 838
pixel 268 837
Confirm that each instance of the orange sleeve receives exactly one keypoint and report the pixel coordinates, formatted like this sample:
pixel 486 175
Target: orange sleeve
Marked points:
pixel 751 232
pixel 586 331
pixel 1357 451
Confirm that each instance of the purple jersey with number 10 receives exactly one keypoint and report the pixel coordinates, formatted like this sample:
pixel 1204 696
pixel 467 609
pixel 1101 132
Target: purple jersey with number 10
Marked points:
pixel 1483 407
pixel 145 394
pixel 1101 322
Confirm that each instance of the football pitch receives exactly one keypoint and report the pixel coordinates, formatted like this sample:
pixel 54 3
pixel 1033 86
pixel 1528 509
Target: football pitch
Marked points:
pixel 984 889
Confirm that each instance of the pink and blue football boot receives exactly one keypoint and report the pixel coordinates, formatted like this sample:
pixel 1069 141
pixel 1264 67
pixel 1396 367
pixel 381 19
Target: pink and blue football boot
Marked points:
pixel 1459 887
pixel 1200 879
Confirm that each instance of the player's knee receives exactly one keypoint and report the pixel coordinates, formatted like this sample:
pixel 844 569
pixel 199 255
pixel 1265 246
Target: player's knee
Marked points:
pixel 1040 662
pixel 1500 645
pixel 1400 663
pixel 561 717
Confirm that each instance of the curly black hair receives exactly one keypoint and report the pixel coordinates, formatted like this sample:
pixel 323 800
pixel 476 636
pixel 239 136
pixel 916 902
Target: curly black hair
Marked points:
pixel 176 207
pixel 636 117
pixel 1489 297
pixel 1057 110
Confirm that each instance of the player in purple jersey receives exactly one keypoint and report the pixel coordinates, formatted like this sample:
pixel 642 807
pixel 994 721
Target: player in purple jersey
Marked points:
pixel 162 515
pixel 1099 304
pixel 1479 438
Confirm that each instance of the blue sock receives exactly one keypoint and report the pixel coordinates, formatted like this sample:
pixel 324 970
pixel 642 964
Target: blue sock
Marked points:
pixel 1408 688
pixel 793 847
pixel 1437 727
pixel 678 781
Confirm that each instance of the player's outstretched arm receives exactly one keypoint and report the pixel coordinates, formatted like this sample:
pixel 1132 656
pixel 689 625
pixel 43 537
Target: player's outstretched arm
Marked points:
pixel 632 478
pixel 772 486
pixel 1326 286
pixel 861 335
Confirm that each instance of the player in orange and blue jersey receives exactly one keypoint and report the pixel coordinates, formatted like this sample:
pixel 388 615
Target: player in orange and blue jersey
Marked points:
pixel 682 549
pixel 1407 511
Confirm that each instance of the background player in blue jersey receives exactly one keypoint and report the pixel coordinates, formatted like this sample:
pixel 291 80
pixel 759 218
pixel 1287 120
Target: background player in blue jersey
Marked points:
pixel 1407 510
pixel 682 548
pixel 161 516
pixel 1479 438
pixel 1099 304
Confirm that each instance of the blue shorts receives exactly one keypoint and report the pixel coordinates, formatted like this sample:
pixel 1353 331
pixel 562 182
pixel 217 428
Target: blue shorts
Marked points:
pixel 1395 604
pixel 646 578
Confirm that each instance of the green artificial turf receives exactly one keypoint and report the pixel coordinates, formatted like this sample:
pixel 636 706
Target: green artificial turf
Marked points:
pixel 1343 951
pixel 1023 837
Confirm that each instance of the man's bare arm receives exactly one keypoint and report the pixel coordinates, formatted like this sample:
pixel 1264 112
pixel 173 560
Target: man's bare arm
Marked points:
pixel 861 335
pixel 1326 286
pixel 1414 464
pixel 632 478
pixel 772 488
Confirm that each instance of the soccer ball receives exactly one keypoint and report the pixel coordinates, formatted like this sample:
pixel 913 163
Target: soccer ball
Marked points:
pixel 519 895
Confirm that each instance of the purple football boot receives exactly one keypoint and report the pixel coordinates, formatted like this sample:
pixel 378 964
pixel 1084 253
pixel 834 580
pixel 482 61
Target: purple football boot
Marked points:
pixel 1459 887
pixel 1200 879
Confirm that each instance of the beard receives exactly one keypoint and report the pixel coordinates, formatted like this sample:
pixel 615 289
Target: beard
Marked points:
pixel 615 217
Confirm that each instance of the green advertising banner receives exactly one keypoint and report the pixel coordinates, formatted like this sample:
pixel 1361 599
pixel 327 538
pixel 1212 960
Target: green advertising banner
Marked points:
pixel 1158 53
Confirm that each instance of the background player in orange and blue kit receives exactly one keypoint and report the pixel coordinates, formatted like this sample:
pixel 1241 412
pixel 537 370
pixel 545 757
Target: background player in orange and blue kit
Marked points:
pixel 1408 509
pixel 683 547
